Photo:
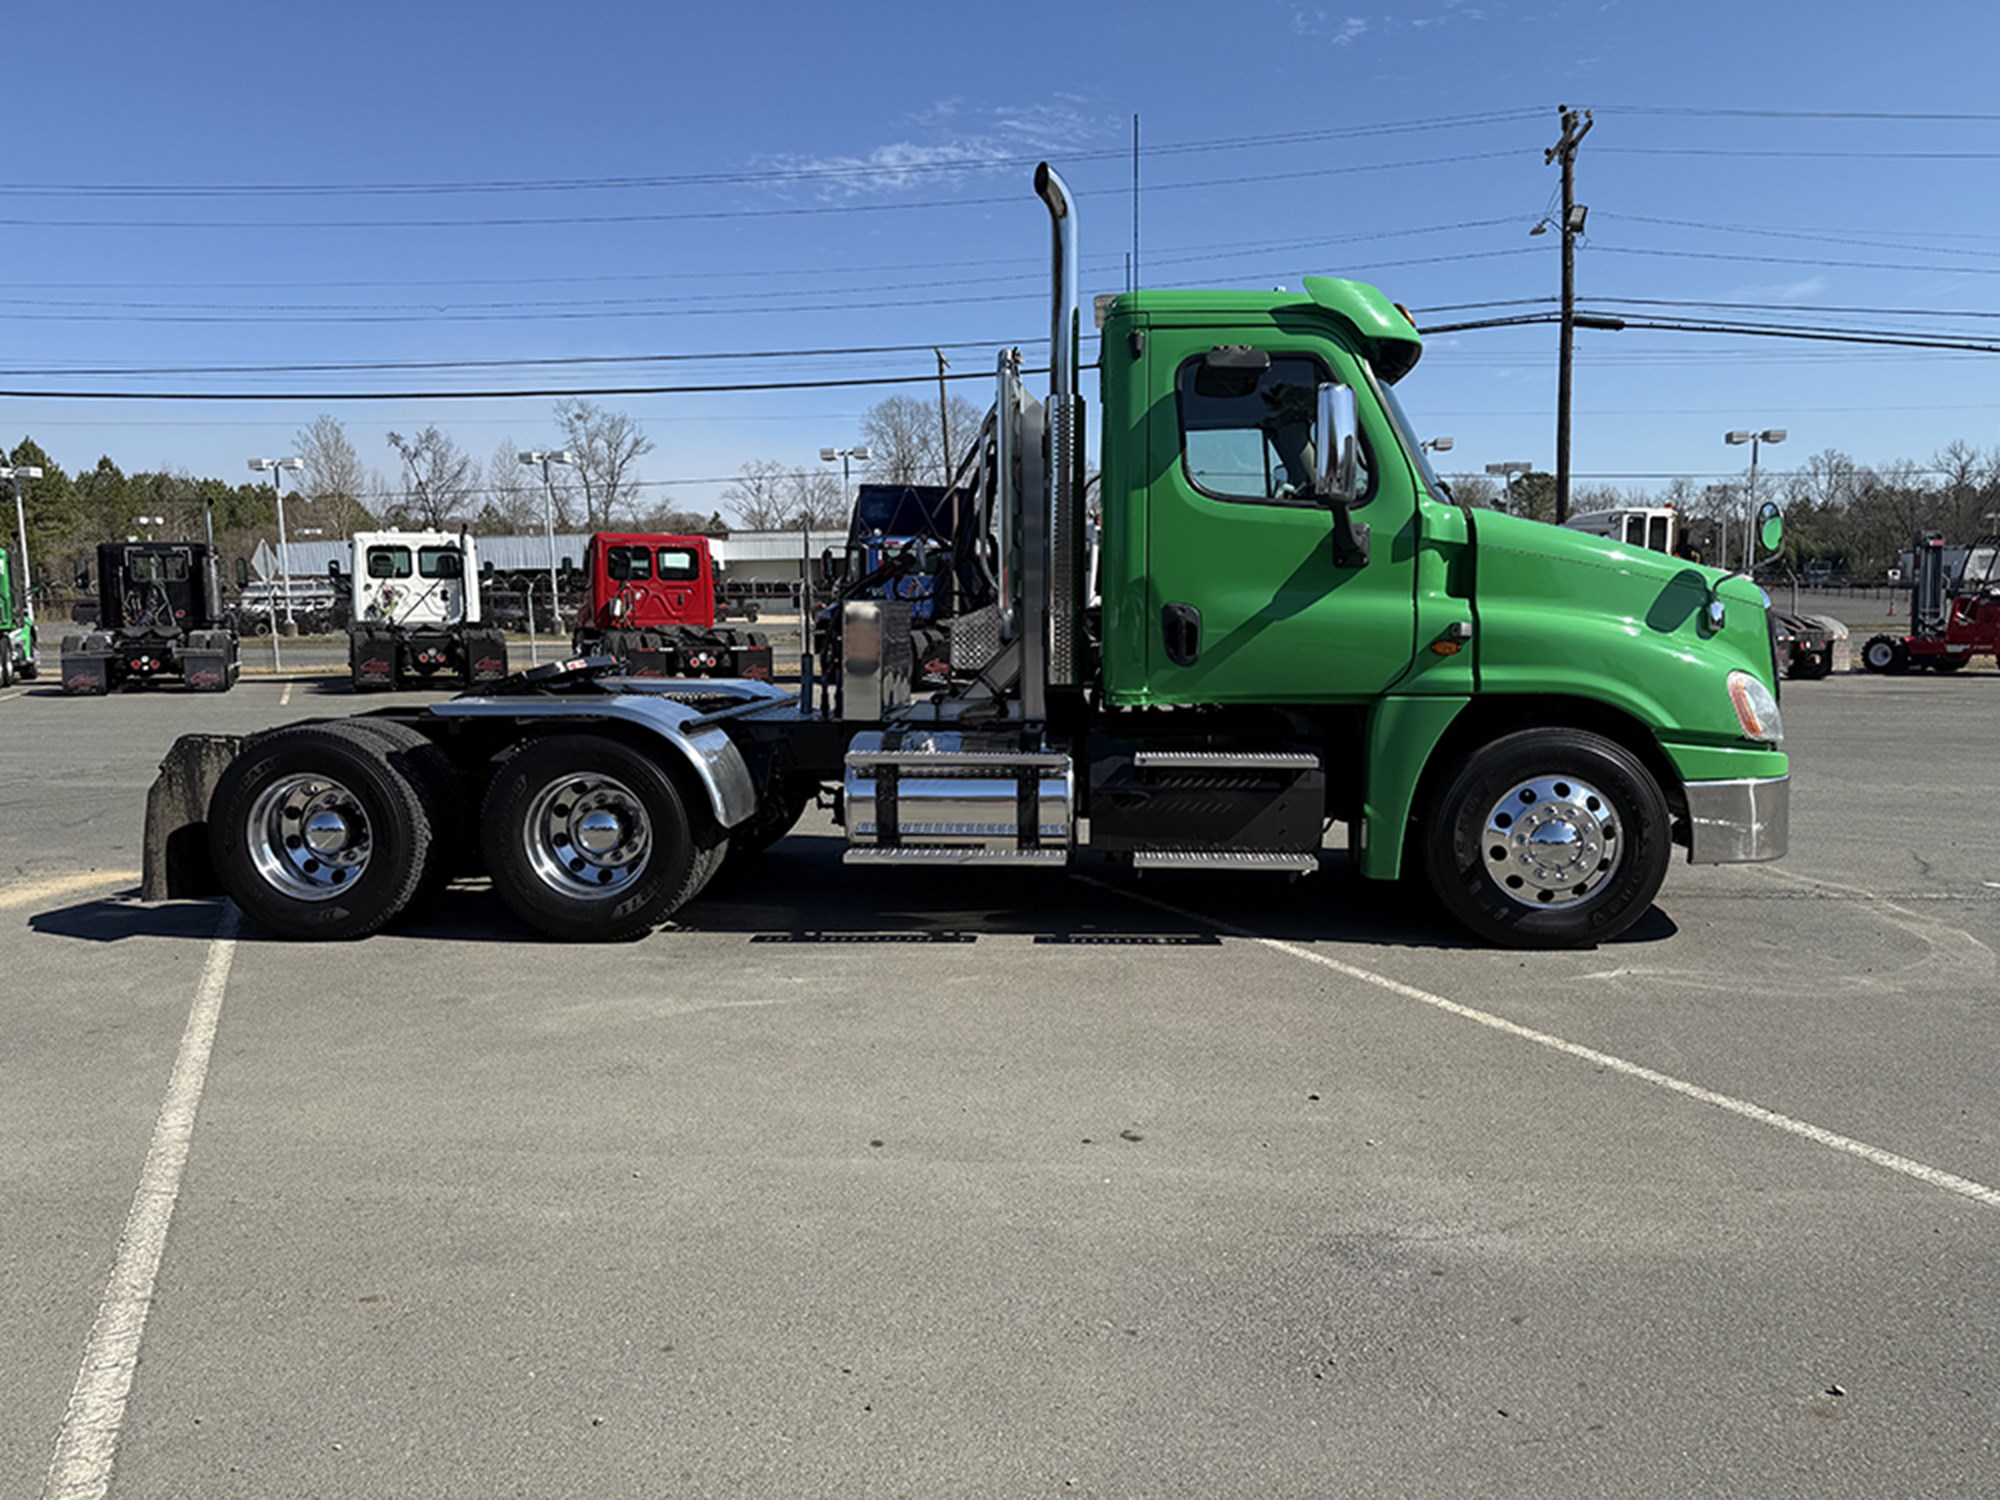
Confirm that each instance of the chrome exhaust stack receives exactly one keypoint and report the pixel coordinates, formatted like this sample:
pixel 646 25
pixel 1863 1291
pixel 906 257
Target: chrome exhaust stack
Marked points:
pixel 1063 514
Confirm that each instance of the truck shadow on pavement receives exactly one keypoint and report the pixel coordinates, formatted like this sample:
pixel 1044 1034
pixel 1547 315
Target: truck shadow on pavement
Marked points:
pixel 799 892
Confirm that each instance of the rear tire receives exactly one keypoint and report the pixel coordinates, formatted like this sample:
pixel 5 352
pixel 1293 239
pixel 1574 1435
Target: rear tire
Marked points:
pixel 1549 838
pixel 440 788
pixel 6 664
pixel 316 835
pixel 589 840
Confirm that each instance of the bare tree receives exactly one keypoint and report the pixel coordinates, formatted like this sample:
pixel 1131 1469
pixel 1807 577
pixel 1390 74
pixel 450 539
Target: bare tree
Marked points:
pixel 814 499
pixel 514 500
pixel 334 481
pixel 606 445
pixel 1476 490
pixel 440 482
pixel 907 439
pixel 757 496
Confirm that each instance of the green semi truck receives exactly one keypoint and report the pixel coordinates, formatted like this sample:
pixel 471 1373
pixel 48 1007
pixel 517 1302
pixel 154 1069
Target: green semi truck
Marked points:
pixel 17 628
pixel 1289 624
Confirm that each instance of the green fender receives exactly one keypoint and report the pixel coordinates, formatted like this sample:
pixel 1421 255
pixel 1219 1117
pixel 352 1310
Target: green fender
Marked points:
pixel 1403 733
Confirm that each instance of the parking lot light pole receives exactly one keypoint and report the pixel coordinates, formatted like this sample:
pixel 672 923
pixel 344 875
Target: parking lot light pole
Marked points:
pixel 1736 440
pixel 542 459
pixel 14 476
pixel 276 468
pixel 149 522
pixel 1507 471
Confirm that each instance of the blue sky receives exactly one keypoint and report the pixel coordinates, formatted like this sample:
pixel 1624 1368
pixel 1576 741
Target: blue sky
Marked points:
pixel 239 185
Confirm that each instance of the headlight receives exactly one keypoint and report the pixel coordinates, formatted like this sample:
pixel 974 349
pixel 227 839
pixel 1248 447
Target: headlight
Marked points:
pixel 1756 709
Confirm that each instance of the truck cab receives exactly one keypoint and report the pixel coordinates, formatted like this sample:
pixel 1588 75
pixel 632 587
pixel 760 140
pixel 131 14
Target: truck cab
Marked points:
pixel 159 617
pixel 651 605
pixel 1434 631
pixel 415 612
pixel 17 629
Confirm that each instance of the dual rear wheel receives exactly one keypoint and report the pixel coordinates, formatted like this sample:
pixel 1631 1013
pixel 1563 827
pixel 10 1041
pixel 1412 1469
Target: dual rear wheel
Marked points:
pixel 330 830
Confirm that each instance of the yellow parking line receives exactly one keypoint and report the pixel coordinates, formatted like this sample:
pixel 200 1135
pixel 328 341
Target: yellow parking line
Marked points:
pixel 29 892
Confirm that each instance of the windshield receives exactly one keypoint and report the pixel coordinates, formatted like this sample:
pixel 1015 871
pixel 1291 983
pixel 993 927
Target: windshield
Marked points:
pixel 170 567
pixel 1408 434
pixel 1980 563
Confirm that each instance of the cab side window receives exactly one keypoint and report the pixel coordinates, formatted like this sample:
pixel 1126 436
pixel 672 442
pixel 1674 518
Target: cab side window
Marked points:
pixel 628 564
pixel 1246 430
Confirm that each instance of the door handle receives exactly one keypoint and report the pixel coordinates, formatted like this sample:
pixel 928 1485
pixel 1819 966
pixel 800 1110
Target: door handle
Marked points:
pixel 1180 625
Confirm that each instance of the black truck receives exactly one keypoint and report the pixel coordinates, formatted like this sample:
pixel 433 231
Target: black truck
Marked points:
pixel 158 617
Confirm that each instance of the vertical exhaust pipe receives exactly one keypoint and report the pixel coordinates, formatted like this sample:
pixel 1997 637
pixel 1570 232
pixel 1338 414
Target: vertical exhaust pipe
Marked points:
pixel 1064 516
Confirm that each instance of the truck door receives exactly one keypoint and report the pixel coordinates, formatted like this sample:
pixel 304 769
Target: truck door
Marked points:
pixel 1246 604
pixel 686 586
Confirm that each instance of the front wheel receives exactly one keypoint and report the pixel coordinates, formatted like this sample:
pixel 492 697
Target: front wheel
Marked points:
pixel 589 840
pixel 1886 654
pixel 1549 838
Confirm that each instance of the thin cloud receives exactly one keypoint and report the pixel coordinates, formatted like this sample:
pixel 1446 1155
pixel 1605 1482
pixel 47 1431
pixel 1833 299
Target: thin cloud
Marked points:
pixel 1806 289
pixel 948 143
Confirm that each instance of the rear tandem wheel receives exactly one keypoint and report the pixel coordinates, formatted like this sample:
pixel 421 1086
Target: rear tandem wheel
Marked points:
pixel 588 839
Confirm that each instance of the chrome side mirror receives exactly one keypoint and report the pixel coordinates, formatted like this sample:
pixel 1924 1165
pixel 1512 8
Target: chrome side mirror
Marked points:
pixel 1337 445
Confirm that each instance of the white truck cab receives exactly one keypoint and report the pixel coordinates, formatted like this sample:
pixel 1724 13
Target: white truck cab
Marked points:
pixel 416 611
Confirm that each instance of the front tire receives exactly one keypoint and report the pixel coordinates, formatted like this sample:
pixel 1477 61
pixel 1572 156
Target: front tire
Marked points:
pixel 1549 838
pixel 588 839
pixel 1886 654
pixel 315 835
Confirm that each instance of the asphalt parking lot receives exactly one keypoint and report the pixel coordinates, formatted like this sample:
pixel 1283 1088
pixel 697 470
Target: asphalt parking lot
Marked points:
pixel 936 1183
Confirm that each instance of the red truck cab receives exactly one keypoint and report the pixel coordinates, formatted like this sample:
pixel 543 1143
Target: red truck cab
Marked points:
pixel 643 581
pixel 652 605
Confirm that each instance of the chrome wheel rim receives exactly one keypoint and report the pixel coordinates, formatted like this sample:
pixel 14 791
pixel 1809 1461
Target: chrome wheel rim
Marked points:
pixel 1552 842
pixel 310 837
pixel 587 836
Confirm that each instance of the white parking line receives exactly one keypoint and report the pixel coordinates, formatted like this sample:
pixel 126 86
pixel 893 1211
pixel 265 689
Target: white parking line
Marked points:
pixel 88 1441
pixel 1949 1182
pixel 16 693
pixel 285 697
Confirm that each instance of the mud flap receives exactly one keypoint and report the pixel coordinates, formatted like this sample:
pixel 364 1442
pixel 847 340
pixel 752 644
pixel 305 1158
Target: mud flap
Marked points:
pixel 176 862
pixel 753 656
pixel 209 663
pixel 86 672
pixel 485 657
pixel 371 660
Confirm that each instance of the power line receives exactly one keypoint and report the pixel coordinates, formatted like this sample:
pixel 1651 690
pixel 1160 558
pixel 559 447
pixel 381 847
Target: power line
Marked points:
pixel 842 171
pixel 1193 255
pixel 1696 112
pixel 520 221
pixel 1792 260
pixel 1799 152
pixel 500 395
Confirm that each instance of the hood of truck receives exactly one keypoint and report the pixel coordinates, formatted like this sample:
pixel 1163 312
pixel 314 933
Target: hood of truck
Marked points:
pixel 1560 611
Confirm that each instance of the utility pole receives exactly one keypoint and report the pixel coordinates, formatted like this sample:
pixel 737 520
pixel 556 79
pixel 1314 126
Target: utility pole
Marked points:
pixel 1564 151
pixel 944 413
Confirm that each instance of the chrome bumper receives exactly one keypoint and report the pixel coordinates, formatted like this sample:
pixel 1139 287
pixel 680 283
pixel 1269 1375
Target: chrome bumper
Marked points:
pixel 1738 822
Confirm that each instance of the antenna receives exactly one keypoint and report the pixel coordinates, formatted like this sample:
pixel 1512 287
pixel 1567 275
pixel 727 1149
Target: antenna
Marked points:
pixel 1134 276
